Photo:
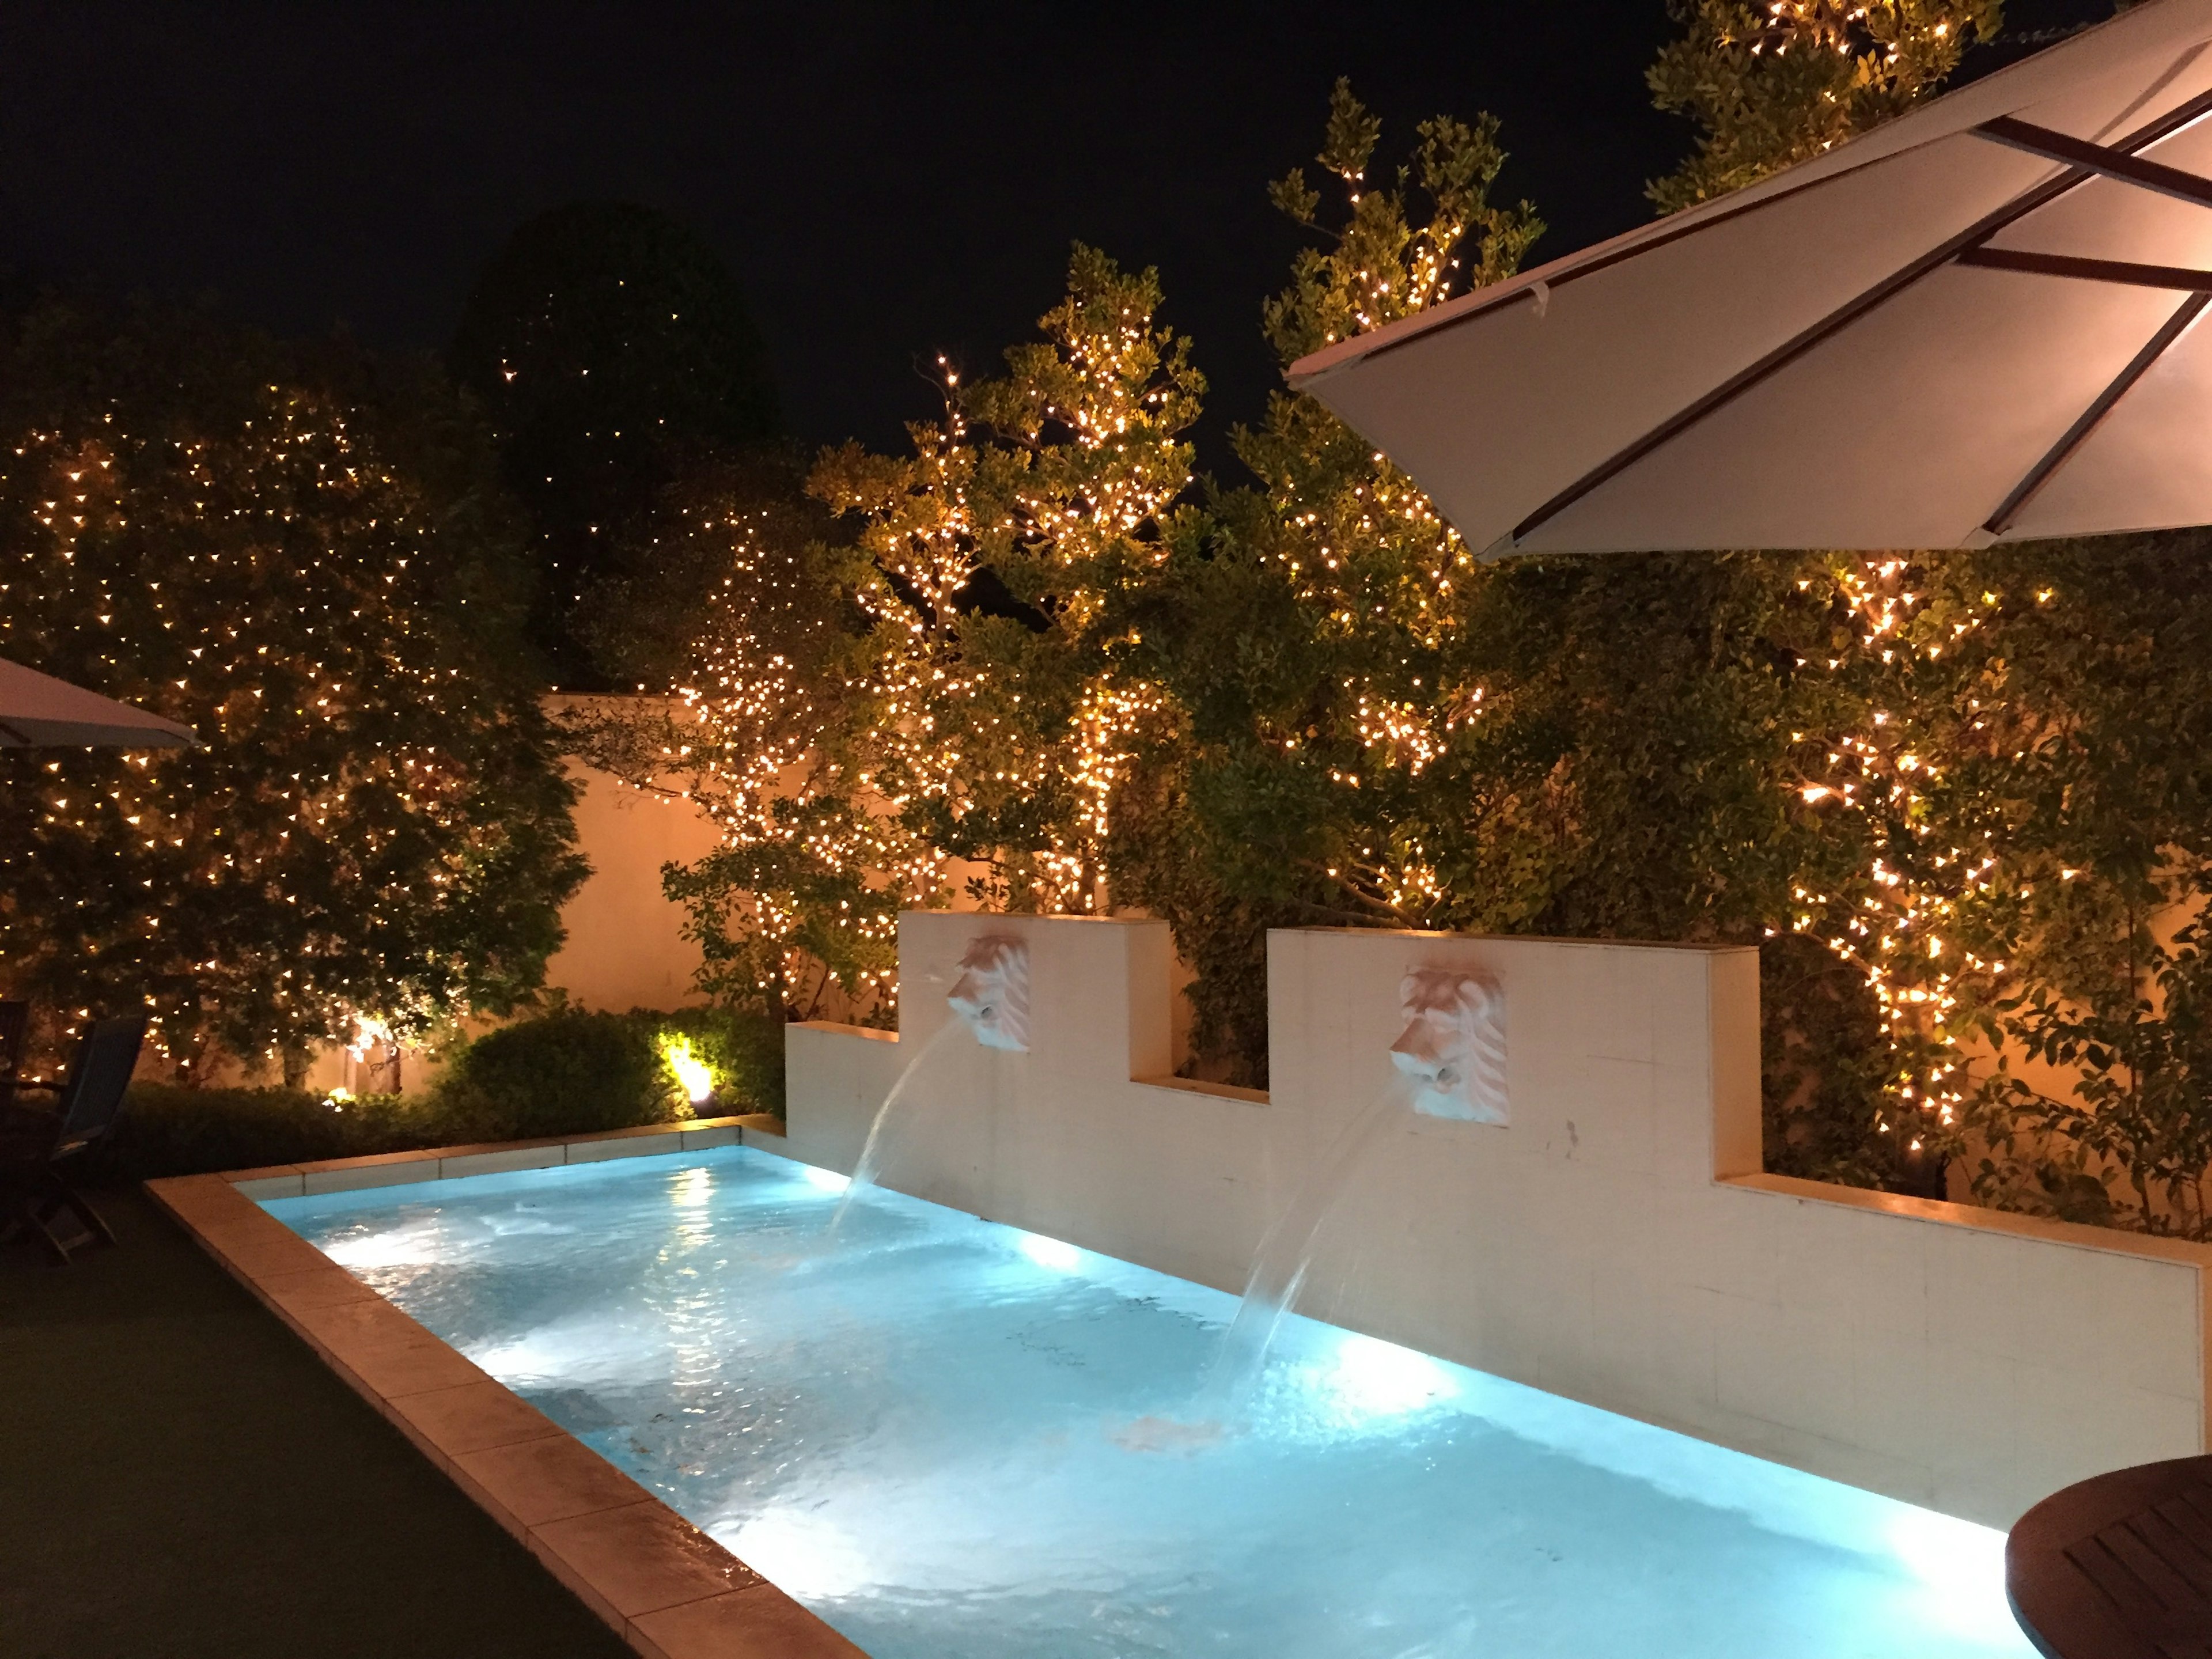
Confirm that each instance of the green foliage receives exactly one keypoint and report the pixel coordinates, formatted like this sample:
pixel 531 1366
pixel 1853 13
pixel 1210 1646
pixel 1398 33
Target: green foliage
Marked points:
pixel 2078 709
pixel 1001 736
pixel 565 1074
pixel 304 554
pixel 577 1071
pixel 954 686
pixel 569 1072
pixel 1305 635
pixel 731 560
pixel 1398 250
pixel 1771 84
pixel 752 619
pixel 612 348
pixel 779 922
pixel 168 1130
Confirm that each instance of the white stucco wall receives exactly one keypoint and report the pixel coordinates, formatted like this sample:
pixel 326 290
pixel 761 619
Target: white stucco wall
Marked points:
pixel 1615 1242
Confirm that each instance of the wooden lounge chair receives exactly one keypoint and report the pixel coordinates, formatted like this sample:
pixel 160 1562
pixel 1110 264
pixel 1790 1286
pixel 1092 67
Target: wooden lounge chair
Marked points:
pixel 33 1143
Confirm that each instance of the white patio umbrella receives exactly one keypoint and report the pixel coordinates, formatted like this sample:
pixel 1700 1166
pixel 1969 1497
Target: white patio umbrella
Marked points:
pixel 38 711
pixel 1980 322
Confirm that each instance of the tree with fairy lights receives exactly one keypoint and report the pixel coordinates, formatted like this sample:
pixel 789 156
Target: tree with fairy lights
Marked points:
pixel 2001 771
pixel 301 554
pixel 752 622
pixel 1007 728
pixel 1771 82
pixel 1306 635
pixel 2016 814
pixel 950 697
pixel 1959 800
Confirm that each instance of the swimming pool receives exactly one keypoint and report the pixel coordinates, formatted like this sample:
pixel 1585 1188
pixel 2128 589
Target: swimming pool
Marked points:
pixel 956 1440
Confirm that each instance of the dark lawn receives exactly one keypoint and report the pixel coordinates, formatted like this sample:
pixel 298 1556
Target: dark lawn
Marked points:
pixel 180 1477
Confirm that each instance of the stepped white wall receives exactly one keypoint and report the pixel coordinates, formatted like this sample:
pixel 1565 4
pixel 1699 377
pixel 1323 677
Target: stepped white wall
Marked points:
pixel 1615 1242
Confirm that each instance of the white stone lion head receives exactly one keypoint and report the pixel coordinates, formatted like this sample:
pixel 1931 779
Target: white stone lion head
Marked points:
pixel 992 993
pixel 1453 1048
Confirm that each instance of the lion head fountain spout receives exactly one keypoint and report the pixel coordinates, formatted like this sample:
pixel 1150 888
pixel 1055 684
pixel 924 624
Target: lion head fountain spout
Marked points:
pixel 991 993
pixel 1453 1048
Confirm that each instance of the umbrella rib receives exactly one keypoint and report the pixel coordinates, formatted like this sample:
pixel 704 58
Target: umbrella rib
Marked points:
pixel 2017 134
pixel 1848 313
pixel 2092 418
pixel 2181 278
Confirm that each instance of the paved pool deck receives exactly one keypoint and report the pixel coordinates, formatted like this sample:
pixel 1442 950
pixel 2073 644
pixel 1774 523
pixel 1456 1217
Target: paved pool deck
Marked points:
pixel 180 1476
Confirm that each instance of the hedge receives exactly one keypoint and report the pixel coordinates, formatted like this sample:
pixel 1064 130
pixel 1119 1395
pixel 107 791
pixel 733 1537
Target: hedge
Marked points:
pixel 569 1072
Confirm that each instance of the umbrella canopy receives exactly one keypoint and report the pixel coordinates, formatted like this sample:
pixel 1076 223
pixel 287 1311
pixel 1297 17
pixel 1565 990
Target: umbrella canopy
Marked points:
pixel 40 712
pixel 1980 322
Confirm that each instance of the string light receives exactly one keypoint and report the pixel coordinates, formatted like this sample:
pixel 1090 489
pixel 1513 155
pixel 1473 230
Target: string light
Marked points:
pixel 363 837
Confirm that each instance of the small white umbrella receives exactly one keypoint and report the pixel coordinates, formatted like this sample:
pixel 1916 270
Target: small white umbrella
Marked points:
pixel 1979 322
pixel 38 711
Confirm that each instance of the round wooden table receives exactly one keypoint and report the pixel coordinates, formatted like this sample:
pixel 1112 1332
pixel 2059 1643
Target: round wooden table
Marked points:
pixel 2118 1567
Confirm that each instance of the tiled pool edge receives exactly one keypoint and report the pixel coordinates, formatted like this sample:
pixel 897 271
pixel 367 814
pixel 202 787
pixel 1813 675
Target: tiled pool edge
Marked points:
pixel 667 1588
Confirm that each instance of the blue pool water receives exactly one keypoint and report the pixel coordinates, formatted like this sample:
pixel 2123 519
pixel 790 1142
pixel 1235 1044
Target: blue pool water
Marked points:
pixel 956 1440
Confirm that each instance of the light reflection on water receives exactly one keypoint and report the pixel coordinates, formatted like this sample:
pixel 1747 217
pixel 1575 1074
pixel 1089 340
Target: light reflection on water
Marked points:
pixel 961 1441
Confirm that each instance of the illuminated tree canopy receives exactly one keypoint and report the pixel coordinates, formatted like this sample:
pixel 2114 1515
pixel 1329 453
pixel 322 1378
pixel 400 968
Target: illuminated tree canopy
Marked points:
pixel 1958 801
pixel 304 556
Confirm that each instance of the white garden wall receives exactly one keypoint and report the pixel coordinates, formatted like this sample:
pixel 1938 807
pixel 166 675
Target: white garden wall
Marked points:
pixel 1614 1243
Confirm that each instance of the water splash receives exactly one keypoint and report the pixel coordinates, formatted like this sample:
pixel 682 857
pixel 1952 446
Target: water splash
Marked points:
pixel 871 1149
pixel 1279 1266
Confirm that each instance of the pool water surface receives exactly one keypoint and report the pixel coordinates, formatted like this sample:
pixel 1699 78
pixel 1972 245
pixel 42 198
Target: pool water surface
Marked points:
pixel 956 1440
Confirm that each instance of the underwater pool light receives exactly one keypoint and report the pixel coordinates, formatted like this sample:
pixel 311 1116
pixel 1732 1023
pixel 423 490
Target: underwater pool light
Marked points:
pixel 1380 1379
pixel 1051 1253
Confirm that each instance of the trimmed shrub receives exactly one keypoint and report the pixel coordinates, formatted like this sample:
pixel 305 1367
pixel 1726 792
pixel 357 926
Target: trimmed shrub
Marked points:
pixel 567 1072
pixel 570 1072
pixel 169 1130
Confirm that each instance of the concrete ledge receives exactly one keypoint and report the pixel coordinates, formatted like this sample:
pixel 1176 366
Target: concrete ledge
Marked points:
pixel 2109 1240
pixel 665 1587
pixel 1190 1085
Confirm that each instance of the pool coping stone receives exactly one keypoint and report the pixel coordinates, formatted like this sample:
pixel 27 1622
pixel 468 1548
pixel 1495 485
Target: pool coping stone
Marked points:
pixel 667 1588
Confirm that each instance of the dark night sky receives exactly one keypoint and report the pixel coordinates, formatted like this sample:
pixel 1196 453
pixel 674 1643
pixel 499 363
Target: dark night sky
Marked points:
pixel 887 181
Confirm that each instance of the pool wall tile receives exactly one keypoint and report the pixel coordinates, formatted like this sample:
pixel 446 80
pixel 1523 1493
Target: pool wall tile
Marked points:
pixel 597 1153
pixel 1617 1242
pixel 346 1174
pixel 500 1160
pixel 623 1143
